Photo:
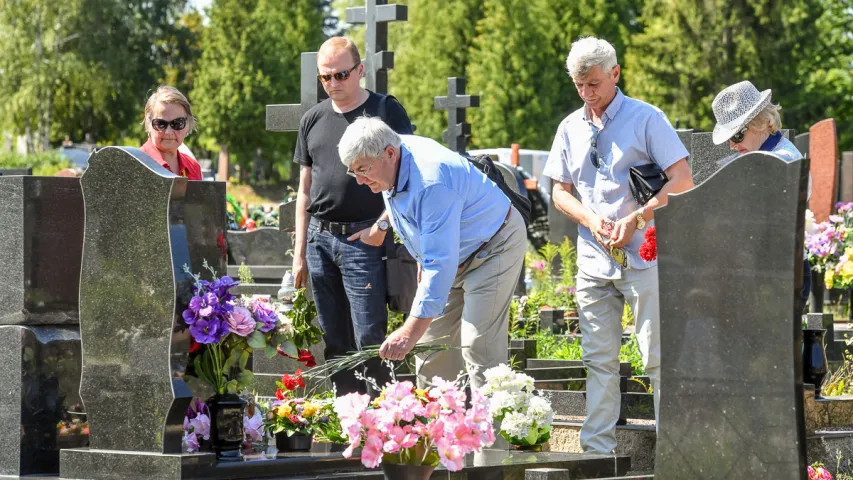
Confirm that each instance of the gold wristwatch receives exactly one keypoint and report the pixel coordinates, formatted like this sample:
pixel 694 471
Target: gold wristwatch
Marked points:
pixel 641 222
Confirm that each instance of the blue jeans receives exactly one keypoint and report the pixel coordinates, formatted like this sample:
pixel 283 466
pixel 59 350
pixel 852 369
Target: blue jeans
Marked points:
pixel 348 282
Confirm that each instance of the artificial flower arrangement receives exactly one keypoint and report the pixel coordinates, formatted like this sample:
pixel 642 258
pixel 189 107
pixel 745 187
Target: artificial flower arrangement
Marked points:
pixel 410 426
pixel 830 246
pixel 226 329
pixel 525 417
pixel 289 413
pixel 816 471
pixel 197 425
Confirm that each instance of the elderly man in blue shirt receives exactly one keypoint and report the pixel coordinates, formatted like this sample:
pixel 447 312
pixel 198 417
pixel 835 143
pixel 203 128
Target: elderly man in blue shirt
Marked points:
pixel 467 238
pixel 593 150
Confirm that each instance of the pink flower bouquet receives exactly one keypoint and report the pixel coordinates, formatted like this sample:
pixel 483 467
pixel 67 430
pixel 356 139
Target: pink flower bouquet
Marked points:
pixel 410 426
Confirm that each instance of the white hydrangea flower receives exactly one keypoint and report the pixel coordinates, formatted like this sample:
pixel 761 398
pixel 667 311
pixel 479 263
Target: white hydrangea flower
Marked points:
pixel 539 410
pixel 516 424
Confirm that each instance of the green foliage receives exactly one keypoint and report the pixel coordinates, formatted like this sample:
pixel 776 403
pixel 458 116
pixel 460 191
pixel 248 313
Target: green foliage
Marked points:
pixel 302 316
pixel 556 347
pixel 245 274
pixel 395 320
pixel 251 58
pixel 556 290
pixel 44 164
pixel 630 352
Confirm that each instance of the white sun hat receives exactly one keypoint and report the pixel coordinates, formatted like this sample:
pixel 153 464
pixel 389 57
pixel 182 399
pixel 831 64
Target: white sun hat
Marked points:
pixel 734 107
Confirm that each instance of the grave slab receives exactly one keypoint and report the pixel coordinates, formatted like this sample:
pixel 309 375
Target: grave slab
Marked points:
pixel 730 363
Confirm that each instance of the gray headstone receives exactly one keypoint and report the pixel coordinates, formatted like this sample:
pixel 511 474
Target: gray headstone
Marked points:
pixel 375 14
pixel 287 216
pixel 40 249
pixel 458 130
pixel 142 225
pixel 686 137
pixel 16 171
pixel 845 190
pixel 262 246
pixel 732 385
pixel 801 141
pixel 285 118
pixel 546 474
pixel 705 157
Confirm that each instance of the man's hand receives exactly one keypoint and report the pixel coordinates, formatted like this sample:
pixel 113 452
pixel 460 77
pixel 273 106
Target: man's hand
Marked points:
pixel 623 231
pixel 398 344
pixel 372 235
pixel 601 228
pixel 300 271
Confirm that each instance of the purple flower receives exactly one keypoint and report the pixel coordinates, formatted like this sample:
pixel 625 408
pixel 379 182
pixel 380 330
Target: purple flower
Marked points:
pixel 201 407
pixel 210 330
pixel 201 426
pixel 201 285
pixel 265 315
pixel 204 305
pixel 189 316
pixel 240 321
pixel 191 441
pixel 220 287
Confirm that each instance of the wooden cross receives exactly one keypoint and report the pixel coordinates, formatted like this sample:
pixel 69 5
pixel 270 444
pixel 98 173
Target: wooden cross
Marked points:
pixel 458 131
pixel 375 14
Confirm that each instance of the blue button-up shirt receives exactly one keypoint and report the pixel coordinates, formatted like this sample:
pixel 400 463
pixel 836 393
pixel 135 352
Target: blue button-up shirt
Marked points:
pixel 443 209
pixel 633 133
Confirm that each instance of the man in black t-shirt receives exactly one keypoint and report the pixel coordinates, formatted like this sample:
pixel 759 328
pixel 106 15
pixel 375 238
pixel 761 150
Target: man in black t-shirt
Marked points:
pixel 340 225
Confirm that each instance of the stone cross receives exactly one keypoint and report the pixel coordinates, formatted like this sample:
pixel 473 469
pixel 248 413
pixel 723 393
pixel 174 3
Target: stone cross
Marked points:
pixel 375 14
pixel 285 118
pixel 458 131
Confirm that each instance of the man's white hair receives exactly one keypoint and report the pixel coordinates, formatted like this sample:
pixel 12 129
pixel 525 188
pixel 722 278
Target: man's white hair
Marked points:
pixel 590 52
pixel 366 137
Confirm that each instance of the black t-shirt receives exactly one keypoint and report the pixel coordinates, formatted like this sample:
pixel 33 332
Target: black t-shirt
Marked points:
pixel 335 196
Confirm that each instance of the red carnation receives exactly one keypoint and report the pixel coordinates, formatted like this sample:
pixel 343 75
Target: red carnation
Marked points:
pixel 306 358
pixel 194 346
pixel 289 382
pixel 649 248
pixel 279 394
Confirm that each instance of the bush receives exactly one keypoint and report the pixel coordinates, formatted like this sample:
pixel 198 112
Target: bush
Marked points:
pixel 44 164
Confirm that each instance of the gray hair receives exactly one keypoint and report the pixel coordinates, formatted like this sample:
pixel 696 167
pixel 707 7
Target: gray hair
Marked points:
pixel 590 52
pixel 366 137
pixel 768 120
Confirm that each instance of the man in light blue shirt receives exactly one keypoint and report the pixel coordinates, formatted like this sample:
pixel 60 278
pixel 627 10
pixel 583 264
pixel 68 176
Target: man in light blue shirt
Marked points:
pixel 467 238
pixel 593 151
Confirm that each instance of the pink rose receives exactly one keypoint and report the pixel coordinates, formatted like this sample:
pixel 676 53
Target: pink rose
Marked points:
pixel 240 321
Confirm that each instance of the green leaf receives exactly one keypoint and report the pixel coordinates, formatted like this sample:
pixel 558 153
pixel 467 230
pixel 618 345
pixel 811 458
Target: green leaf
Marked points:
pixel 257 340
pixel 245 378
pixel 289 348
pixel 244 359
pixel 270 351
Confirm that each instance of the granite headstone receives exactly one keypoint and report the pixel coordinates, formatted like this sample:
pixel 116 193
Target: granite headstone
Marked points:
pixel 143 224
pixel 846 180
pixel 731 378
pixel 705 157
pixel 262 246
pixel 823 157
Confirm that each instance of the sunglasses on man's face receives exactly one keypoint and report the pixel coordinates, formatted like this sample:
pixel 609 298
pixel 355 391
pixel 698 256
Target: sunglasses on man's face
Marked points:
pixel 177 124
pixel 340 76
pixel 739 136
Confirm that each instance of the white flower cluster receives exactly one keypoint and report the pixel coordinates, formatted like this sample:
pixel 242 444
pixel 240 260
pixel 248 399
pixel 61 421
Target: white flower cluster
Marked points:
pixel 514 403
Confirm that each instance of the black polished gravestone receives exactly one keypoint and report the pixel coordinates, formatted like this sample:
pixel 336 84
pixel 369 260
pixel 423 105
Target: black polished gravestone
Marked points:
pixel 143 224
pixel 375 14
pixel 730 268
pixel 40 252
pixel 707 158
pixel 285 118
pixel 458 130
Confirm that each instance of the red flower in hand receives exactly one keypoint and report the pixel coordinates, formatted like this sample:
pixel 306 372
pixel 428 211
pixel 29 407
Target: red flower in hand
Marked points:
pixel 306 358
pixel 649 248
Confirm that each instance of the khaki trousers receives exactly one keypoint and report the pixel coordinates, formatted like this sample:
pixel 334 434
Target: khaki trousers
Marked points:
pixel 601 302
pixel 477 312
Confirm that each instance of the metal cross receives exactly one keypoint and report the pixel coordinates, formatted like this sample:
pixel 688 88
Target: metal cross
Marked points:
pixel 285 118
pixel 458 131
pixel 375 14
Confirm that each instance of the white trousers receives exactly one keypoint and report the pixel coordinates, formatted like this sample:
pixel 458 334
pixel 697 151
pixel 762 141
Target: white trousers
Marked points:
pixel 601 302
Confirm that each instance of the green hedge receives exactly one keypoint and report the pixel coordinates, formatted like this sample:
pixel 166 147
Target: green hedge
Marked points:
pixel 44 164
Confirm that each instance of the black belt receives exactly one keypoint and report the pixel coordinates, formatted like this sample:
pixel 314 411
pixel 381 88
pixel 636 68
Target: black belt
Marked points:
pixel 341 228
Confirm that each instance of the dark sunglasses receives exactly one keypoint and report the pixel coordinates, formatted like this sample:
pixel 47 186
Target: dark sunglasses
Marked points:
pixel 593 153
pixel 340 76
pixel 177 124
pixel 739 136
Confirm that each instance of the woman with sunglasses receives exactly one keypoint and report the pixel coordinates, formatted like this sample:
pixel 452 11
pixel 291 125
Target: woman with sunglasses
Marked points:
pixel 168 119
pixel 749 122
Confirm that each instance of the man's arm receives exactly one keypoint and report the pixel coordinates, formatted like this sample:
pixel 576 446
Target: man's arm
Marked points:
pixel 577 212
pixel 300 267
pixel 372 235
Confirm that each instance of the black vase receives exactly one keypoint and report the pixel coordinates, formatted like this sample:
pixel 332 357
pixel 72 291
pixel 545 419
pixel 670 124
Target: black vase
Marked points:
pixel 395 471
pixel 814 358
pixel 226 425
pixel 298 442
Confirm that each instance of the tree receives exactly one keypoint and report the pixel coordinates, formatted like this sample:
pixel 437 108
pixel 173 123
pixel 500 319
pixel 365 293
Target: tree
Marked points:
pixel 434 44
pixel 513 68
pixel 251 58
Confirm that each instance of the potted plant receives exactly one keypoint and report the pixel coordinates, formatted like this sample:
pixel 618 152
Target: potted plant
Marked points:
pixel 224 331
pixel 291 418
pixel 525 417
pixel 409 431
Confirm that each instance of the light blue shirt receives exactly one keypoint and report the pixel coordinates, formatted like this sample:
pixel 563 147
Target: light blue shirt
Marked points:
pixel 633 133
pixel 443 209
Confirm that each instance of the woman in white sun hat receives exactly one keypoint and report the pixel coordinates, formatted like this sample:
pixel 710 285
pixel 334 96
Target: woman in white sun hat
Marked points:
pixel 749 122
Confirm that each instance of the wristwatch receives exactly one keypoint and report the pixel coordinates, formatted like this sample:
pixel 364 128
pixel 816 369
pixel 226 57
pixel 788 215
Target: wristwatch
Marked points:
pixel 641 222
pixel 383 225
